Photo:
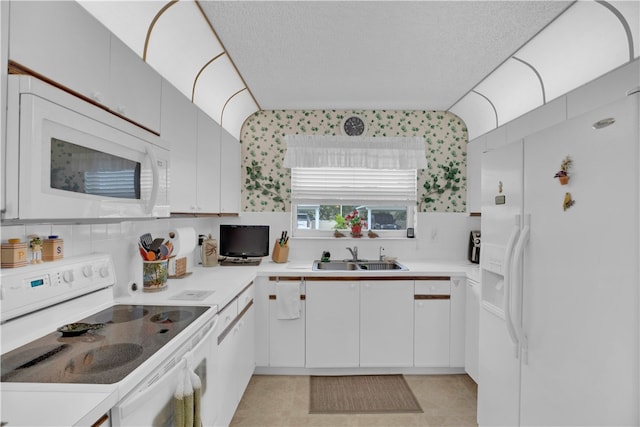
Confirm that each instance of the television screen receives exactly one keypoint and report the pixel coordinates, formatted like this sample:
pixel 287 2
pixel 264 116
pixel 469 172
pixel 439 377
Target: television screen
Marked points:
pixel 244 241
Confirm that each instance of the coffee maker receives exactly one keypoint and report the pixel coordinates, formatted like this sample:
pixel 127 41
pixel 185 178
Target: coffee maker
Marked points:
pixel 474 247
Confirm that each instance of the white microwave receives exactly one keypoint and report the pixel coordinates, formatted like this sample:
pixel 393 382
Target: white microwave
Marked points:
pixel 68 159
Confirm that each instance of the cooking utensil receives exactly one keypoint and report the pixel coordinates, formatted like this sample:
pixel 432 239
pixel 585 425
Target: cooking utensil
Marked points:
pixel 146 240
pixel 142 250
pixel 155 245
pixel 164 251
pixel 74 329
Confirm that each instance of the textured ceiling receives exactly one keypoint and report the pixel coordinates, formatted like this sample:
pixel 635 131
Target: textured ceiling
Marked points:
pixel 372 55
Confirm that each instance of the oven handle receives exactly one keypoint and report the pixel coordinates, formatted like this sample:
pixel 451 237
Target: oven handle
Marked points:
pixel 156 181
pixel 130 405
pixel 201 341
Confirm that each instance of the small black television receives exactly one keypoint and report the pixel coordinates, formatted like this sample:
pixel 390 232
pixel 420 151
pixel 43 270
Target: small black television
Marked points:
pixel 244 241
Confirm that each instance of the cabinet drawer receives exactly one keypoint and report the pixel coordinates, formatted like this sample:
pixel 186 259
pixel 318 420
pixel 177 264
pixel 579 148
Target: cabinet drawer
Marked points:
pixel 245 297
pixel 432 287
pixel 228 314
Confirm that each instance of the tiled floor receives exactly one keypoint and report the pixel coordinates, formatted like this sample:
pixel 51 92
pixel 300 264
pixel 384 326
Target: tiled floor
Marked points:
pixel 281 400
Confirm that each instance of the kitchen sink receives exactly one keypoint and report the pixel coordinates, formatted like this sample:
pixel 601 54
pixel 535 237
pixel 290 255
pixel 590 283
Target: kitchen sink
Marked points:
pixel 360 265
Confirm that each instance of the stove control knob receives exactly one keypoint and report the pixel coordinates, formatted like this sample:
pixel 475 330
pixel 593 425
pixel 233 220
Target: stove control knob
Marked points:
pixel 104 271
pixel 87 271
pixel 67 276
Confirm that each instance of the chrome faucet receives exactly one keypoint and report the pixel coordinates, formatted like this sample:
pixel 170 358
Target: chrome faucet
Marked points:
pixel 381 256
pixel 354 252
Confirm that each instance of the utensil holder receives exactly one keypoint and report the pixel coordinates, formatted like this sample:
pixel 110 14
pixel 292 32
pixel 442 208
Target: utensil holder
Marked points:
pixel 280 254
pixel 154 275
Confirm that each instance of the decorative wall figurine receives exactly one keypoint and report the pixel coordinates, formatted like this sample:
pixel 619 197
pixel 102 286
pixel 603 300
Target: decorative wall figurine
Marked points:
pixel 563 173
pixel 568 201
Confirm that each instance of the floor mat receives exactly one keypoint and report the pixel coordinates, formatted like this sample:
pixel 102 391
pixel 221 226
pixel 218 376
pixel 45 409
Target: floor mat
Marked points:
pixel 361 394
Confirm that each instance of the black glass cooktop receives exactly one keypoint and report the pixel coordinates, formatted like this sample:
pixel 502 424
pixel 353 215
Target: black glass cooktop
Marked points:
pixel 128 336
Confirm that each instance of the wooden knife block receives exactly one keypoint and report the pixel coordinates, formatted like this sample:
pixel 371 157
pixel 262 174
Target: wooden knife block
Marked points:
pixel 280 254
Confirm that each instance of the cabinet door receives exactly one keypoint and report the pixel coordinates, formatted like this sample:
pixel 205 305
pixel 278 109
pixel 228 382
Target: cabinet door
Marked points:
pixel 386 323
pixel 431 333
pixel 179 127
pixel 458 309
pixel 472 329
pixel 227 385
pixel 286 339
pixel 261 303
pixel 208 165
pixel 135 87
pixel 230 174
pixel 245 354
pixel 332 327
pixel 474 166
pixel 63 42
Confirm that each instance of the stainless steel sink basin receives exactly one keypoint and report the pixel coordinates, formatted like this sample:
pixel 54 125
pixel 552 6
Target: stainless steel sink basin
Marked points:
pixel 360 265
pixel 334 265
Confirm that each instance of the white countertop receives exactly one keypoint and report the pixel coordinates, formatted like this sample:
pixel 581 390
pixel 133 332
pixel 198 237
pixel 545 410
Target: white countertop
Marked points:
pixel 227 281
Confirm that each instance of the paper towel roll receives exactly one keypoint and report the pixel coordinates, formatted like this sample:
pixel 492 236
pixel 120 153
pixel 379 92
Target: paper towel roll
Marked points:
pixel 183 240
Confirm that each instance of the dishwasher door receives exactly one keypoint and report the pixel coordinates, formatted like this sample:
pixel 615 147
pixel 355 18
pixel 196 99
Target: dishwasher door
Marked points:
pixel 153 403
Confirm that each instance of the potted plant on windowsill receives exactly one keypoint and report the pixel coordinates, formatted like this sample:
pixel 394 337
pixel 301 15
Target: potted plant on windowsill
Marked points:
pixel 341 224
pixel 356 223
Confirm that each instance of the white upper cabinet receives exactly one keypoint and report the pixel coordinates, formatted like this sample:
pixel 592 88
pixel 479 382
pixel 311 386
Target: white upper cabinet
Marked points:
pixel 179 126
pixel 230 174
pixel 63 42
pixel 205 158
pixel 135 87
pixel 207 165
pixel 474 166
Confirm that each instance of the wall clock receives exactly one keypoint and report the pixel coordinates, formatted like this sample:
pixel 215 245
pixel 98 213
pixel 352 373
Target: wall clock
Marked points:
pixel 354 126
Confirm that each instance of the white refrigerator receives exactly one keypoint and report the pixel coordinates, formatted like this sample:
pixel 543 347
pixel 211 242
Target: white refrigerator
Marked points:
pixel 559 324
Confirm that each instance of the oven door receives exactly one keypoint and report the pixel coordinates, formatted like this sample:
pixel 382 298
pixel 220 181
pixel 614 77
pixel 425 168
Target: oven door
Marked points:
pixel 74 166
pixel 153 402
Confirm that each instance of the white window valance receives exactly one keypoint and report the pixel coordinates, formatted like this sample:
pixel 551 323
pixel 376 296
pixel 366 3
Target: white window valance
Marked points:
pixel 319 151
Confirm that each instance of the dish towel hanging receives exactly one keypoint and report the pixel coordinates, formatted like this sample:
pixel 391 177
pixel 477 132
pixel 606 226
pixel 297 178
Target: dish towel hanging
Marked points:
pixel 197 401
pixel 288 300
pixel 187 400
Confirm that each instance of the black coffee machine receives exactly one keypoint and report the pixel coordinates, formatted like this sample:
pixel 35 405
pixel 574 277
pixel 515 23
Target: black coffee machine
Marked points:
pixel 474 247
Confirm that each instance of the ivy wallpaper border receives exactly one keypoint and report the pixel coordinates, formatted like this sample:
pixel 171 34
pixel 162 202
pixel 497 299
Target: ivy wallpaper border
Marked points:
pixel 266 183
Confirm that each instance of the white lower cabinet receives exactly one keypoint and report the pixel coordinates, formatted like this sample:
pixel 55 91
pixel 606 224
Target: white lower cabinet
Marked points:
pixel 458 315
pixel 236 361
pixel 472 330
pixel 286 343
pixel 286 336
pixel 432 323
pixel 386 323
pixel 332 324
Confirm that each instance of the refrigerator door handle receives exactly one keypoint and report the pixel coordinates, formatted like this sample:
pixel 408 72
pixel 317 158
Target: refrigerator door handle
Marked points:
pixel 517 282
pixel 515 231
